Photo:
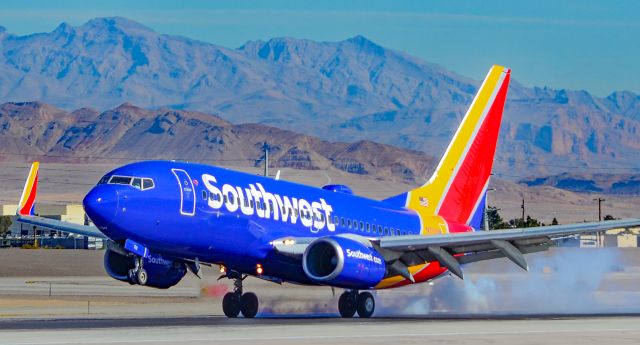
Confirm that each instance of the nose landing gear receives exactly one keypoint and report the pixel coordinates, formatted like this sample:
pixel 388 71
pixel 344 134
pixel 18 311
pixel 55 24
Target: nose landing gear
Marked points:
pixel 351 302
pixel 138 275
pixel 237 302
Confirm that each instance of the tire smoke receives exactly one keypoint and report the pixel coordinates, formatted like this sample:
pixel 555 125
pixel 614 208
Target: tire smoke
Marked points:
pixel 562 281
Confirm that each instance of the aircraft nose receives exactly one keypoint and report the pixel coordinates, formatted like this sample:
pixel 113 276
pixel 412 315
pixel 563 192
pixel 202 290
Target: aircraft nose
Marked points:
pixel 101 204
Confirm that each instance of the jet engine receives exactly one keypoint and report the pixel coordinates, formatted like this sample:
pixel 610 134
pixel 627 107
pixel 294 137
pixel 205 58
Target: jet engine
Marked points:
pixel 343 262
pixel 162 273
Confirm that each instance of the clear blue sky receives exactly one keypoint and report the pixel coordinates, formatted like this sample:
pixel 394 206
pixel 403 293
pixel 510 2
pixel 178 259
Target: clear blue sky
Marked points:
pixel 577 44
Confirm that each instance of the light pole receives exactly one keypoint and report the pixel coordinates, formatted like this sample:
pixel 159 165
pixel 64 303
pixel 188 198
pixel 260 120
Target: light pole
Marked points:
pixel 486 208
pixel 599 200
pixel 265 148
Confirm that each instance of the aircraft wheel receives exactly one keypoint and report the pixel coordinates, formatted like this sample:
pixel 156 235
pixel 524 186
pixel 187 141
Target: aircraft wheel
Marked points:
pixel 142 276
pixel 231 305
pixel 131 277
pixel 347 304
pixel 365 304
pixel 249 305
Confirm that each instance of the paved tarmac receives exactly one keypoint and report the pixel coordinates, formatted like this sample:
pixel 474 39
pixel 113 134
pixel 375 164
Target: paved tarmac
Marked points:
pixel 560 301
pixel 213 330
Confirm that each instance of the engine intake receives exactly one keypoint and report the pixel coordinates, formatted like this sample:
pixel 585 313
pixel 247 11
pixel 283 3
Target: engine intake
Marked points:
pixel 343 262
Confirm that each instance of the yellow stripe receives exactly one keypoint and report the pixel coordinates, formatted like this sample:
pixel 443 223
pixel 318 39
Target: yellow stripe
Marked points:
pixel 28 187
pixel 434 189
pixel 385 283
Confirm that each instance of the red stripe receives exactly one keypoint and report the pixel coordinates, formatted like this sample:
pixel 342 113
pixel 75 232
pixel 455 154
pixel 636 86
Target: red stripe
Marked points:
pixel 469 182
pixel 27 208
pixel 432 270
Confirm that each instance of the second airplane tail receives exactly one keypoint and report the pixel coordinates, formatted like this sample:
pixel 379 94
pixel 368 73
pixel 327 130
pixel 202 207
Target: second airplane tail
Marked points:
pixel 26 207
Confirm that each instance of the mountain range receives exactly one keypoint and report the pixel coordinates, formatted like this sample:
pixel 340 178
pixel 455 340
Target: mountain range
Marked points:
pixel 36 131
pixel 353 91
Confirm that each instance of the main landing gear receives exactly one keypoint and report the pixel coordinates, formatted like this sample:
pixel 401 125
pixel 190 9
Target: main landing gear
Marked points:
pixel 237 302
pixel 351 302
pixel 138 275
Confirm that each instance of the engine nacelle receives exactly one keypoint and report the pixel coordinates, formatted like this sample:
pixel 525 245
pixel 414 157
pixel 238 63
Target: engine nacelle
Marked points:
pixel 162 273
pixel 343 262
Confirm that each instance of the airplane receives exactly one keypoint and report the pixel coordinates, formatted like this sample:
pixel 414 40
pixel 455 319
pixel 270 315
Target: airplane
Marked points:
pixel 163 219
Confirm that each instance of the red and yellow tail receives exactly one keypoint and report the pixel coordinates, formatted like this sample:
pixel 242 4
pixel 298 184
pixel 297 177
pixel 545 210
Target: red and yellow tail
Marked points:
pixel 449 200
pixel 28 198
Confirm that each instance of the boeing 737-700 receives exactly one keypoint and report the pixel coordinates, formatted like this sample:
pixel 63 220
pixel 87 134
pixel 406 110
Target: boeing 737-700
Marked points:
pixel 162 219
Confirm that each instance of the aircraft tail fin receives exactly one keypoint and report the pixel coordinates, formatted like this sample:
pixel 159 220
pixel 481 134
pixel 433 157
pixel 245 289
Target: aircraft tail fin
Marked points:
pixel 26 207
pixel 456 189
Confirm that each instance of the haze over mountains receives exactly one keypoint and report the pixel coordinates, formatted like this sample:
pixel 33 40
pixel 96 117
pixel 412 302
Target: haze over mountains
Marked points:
pixel 35 130
pixel 342 91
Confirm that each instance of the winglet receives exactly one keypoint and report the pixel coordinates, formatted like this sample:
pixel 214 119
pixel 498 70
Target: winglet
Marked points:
pixel 27 203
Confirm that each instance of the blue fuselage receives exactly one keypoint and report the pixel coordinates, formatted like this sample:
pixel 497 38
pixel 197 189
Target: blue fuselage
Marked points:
pixel 221 216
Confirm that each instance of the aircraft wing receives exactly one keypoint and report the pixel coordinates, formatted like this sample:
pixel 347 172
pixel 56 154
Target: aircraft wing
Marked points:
pixel 453 249
pixel 453 240
pixel 58 225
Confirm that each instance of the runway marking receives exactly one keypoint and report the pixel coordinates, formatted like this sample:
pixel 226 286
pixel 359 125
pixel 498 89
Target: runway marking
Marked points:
pixel 218 338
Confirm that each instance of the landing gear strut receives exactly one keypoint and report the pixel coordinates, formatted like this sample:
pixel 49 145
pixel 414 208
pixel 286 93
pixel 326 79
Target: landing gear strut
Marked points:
pixel 138 275
pixel 351 302
pixel 237 302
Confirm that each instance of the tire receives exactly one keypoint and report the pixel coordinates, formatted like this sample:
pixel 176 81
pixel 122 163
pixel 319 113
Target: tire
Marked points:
pixel 249 305
pixel 131 277
pixel 231 305
pixel 142 276
pixel 347 304
pixel 365 304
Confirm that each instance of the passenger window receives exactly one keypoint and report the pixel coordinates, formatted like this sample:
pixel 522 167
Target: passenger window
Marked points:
pixel 336 220
pixel 204 195
pixel 361 225
pixel 147 183
pixel 342 221
pixel 380 229
pixel 368 227
pixel 349 222
pixel 224 197
pixel 120 180
pixel 386 231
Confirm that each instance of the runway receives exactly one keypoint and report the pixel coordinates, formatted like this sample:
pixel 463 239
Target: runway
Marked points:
pixel 524 329
pixel 555 303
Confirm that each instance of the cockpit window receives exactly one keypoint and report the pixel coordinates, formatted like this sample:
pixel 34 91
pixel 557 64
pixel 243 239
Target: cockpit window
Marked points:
pixel 104 179
pixel 147 183
pixel 137 183
pixel 120 180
